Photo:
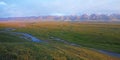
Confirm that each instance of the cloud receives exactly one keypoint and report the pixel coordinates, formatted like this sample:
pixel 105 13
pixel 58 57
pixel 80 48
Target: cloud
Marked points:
pixel 11 10
pixel 57 7
pixel 3 3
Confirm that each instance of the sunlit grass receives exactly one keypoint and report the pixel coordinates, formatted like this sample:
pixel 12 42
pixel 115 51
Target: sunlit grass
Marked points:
pixel 33 51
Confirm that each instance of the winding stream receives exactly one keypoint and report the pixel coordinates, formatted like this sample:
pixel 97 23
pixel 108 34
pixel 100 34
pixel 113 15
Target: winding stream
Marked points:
pixel 109 53
pixel 34 39
pixel 22 35
pixel 27 36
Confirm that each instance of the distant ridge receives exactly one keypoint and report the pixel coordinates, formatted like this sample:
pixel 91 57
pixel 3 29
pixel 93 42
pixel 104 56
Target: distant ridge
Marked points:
pixel 81 18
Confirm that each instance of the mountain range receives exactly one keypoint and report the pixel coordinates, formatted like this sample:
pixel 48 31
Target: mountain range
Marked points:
pixel 82 18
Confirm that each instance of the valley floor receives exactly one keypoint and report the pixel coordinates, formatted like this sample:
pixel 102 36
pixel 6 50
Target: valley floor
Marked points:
pixel 59 41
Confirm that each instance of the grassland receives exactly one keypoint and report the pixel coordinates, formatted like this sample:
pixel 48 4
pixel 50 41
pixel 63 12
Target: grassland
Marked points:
pixel 104 36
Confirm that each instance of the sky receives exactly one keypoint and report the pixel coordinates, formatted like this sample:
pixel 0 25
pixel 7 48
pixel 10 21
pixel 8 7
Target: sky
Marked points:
pixel 23 8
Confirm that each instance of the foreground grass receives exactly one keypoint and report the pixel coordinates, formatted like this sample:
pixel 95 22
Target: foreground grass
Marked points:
pixel 100 36
pixel 34 51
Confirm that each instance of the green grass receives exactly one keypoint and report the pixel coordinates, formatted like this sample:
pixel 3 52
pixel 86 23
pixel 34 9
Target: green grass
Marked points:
pixel 99 36
pixel 34 51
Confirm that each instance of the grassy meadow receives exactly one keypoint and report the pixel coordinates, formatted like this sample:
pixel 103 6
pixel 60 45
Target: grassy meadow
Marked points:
pixel 102 36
